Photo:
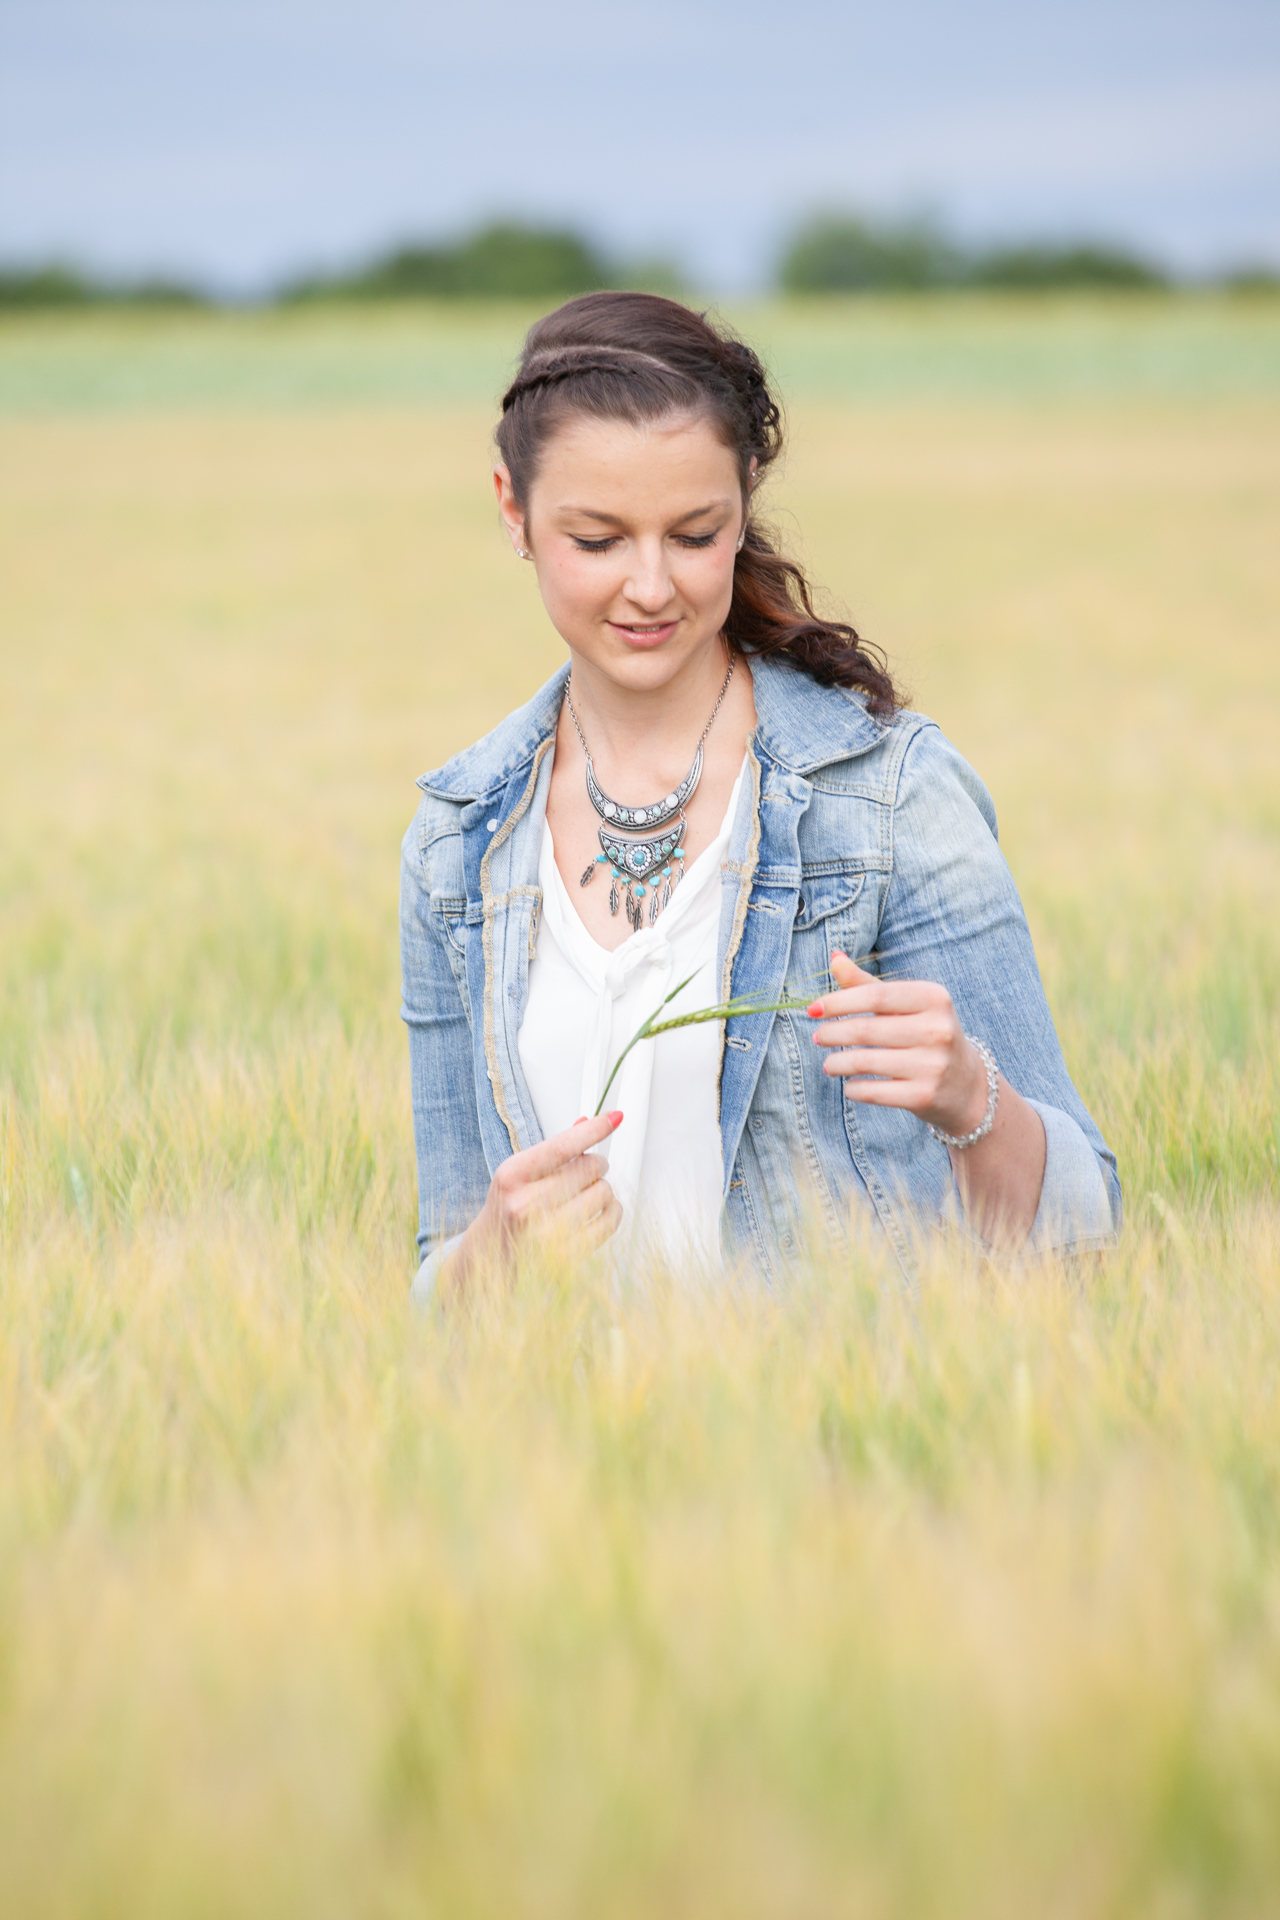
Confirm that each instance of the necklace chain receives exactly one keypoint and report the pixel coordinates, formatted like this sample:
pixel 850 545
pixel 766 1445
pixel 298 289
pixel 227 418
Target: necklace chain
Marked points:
pixel 733 661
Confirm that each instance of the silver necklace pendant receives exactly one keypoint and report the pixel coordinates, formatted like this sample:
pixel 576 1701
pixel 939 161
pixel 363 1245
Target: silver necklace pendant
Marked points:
pixel 641 872
pixel 645 869
pixel 659 813
pixel 638 858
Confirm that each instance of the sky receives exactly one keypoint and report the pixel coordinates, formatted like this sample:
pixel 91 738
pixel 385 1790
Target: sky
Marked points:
pixel 243 141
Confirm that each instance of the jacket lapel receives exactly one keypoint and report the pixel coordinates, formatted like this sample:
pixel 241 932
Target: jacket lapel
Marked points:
pixel 761 886
pixel 501 839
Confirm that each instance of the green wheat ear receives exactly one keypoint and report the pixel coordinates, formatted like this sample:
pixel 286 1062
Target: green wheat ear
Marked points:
pixel 727 1010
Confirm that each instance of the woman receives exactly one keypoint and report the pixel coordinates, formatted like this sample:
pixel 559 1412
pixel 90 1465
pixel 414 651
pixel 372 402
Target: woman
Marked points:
pixel 720 789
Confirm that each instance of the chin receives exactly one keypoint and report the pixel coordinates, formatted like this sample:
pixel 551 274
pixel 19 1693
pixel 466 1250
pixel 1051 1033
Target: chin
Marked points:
pixel 647 667
pixel 647 663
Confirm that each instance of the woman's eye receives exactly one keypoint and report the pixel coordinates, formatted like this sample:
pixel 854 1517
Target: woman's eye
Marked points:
pixel 609 541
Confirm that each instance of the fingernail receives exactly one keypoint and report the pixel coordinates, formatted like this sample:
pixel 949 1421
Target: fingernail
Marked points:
pixel 815 1011
pixel 581 1117
pixel 838 953
pixel 614 1118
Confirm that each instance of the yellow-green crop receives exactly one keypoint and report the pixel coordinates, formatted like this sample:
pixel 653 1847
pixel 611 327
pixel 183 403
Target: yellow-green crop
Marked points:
pixel 574 1602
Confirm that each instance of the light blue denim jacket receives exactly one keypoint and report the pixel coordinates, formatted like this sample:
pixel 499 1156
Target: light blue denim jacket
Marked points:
pixel 877 839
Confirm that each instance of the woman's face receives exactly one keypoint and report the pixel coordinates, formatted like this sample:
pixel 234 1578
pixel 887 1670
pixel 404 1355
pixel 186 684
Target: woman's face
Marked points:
pixel 633 531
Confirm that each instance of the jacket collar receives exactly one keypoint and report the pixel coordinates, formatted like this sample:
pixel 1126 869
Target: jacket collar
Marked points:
pixel 799 725
pixel 802 726
pixel 490 763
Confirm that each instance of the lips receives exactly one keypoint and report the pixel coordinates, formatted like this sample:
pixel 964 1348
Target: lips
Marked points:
pixel 644 636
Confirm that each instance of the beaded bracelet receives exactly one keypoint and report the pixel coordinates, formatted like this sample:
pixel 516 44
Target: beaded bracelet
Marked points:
pixel 984 1126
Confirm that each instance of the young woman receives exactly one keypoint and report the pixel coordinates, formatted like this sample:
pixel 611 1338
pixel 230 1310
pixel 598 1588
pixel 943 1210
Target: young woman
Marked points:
pixel 718 787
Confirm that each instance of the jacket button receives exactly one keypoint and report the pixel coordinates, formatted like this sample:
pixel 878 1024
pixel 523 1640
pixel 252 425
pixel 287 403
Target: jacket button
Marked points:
pixel 493 826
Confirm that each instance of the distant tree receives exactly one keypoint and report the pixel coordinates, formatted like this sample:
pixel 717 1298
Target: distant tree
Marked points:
pixel 48 286
pixel 1060 267
pixel 843 253
pixel 504 260
pixel 1254 278
pixel 62 286
pixel 846 253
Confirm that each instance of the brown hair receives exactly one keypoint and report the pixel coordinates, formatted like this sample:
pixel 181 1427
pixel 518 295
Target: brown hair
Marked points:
pixel 638 357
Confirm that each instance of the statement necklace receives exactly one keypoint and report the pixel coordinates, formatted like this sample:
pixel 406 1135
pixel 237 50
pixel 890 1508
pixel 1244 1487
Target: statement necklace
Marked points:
pixel 644 869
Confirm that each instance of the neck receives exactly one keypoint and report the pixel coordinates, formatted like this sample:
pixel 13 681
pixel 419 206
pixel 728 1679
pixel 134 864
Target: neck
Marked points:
pixel 628 725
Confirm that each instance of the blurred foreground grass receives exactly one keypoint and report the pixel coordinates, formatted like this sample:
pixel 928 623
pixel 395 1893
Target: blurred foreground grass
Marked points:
pixel 578 1604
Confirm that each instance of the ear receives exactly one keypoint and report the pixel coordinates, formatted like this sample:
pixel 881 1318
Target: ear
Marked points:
pixel 512 516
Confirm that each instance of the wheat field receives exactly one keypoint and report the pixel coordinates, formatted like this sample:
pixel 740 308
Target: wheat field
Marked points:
pixel 571 1602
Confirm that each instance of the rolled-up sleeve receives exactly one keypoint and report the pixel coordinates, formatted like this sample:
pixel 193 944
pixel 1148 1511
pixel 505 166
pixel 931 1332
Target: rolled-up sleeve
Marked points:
pixel 1075 1212
pixel 427 1279
pixel 952 914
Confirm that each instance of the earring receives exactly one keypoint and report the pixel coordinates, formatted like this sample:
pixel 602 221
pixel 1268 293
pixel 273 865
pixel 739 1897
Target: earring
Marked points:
pixel 741 541
pixel 522 555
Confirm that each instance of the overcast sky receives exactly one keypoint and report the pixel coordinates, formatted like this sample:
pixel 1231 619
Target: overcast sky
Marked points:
pixel 241 140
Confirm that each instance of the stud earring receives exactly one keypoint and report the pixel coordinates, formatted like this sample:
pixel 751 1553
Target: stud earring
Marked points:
pixel 522 555
pixel 741 541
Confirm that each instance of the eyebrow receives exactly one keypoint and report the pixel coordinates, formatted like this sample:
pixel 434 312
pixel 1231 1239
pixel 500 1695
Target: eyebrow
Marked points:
pixel 612 520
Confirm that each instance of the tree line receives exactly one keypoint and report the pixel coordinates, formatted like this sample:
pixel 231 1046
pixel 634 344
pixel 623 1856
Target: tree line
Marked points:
pixel 833 252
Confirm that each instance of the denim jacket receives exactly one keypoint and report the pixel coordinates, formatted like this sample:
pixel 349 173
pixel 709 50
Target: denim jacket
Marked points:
pixel 878 839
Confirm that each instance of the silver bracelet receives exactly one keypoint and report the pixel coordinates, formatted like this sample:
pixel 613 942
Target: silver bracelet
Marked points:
pixel 988 1120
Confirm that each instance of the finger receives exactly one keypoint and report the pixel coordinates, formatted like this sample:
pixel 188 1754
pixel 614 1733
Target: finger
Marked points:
pixel 585 1207
pixel 882 1062
pixel 846 972
pixel 881 996
pixel 535 1163
pixel 604 1226
pixel 585 1222
pixel 929 1029
pixel 917 1096
pixel 545 1197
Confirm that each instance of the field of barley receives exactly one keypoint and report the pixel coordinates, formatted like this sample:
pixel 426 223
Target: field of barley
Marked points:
pixel 570 1603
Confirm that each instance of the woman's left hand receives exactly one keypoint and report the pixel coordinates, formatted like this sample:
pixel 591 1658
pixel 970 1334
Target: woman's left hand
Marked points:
pixel 906 1034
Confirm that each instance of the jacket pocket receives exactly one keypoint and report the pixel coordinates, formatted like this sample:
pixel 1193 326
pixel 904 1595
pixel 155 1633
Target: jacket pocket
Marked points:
pixel 834 903
pixel 825 892
pixel 450 913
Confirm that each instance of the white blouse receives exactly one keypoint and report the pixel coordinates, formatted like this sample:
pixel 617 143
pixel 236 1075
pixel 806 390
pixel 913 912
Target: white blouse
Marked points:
pixel 585 1003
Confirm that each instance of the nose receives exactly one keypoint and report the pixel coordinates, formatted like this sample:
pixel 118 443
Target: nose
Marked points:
pixel 648 585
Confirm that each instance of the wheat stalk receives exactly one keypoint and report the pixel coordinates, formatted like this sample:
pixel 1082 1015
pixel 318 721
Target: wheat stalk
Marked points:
pixel 727 1010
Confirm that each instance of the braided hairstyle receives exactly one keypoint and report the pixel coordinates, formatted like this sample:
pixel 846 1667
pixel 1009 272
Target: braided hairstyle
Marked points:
pixel 637 357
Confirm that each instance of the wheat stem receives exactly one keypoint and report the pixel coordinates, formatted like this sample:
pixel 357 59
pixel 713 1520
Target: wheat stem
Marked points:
pixel 728 1010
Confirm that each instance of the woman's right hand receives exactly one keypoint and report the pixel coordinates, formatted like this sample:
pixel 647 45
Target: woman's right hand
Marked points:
pixel 555 1192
